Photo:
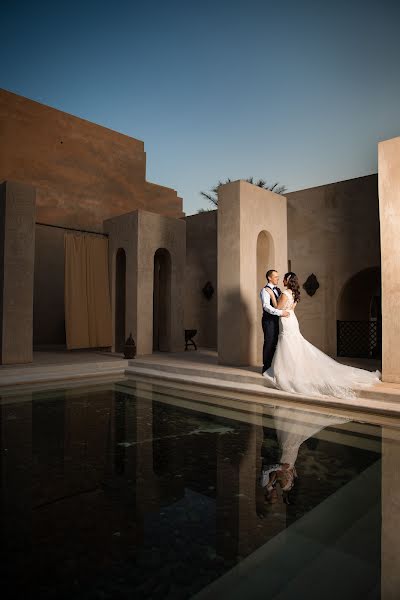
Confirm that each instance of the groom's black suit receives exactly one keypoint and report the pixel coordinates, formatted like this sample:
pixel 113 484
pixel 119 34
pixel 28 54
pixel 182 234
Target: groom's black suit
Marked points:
pixel 270 325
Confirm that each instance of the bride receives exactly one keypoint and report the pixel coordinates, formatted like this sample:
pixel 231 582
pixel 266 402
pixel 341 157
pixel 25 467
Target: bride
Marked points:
pixel 293 427
pixel 300 367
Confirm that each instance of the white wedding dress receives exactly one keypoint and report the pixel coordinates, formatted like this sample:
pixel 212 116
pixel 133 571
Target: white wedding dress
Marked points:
pixel 293 427
pixel 299 367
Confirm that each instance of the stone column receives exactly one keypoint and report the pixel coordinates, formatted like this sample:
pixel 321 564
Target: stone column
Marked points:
pixel 389 209
pixel 17 258
pixel 252 238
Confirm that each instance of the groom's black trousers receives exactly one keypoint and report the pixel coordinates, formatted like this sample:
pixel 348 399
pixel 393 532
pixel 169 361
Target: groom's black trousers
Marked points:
pixel 270 325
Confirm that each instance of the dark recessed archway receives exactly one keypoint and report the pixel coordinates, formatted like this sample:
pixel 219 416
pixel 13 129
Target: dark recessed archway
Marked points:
pixel 162 301
pixel 120 300
pixel 360 295
pixel 359 315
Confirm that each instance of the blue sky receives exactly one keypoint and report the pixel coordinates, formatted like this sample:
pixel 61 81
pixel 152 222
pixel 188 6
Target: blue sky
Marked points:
pixel 294 92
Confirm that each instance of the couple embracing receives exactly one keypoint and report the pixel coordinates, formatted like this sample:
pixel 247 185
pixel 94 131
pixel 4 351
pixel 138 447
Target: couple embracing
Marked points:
pixel 291 363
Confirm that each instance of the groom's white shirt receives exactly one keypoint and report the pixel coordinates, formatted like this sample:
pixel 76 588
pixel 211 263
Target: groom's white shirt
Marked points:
pixel 266 302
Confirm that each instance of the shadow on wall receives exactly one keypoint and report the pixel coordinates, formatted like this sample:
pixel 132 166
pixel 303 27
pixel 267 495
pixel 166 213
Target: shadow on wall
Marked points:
pixel 359 296
pixel 120 300
pixel 235 330
pixel 162 301
pixel 265 261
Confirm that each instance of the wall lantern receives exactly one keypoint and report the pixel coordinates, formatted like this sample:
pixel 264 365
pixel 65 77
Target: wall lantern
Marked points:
pixel 311 284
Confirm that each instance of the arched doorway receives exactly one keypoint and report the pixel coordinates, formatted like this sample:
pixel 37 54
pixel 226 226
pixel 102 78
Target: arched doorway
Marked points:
pixel 120 300
pixel 265 261
pixel 359 315
pixel 162 301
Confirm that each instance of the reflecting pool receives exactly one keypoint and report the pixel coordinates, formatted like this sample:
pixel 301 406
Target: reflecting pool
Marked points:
pixel 135 490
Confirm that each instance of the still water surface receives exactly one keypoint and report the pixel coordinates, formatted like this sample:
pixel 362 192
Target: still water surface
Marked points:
pixel 138 491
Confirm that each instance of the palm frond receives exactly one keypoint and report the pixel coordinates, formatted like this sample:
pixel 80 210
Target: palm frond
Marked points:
pixel 212 196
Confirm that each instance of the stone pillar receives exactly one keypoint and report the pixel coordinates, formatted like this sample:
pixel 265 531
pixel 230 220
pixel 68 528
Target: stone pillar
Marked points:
pixel 389 211
pixel 17 257
pixel 252 238
pixel 123 234
pixel 141 234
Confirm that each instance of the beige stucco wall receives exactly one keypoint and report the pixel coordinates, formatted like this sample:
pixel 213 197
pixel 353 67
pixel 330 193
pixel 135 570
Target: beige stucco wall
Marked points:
pixel 389 205
pixel 333 232
pixel 201 266
pixel 245 211
pixel 141 234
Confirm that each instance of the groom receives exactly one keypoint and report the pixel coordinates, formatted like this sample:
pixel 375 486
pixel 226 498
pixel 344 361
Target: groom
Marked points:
pixel 270 318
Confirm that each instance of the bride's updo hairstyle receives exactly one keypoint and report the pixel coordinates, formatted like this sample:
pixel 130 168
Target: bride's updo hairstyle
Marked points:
pixel 292 283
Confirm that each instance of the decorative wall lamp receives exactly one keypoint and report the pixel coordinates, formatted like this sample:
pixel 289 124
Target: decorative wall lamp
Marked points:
pixel 311 284
pixel 208 290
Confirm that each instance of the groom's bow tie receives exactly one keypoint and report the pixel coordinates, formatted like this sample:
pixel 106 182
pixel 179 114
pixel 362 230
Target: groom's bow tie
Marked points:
pixel 278 291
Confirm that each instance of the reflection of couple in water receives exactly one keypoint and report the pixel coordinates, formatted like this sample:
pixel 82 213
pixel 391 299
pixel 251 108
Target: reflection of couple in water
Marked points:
pixel 293 427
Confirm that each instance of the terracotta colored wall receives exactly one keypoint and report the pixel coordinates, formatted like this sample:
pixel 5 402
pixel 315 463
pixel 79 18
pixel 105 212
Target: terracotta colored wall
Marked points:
pixel 83 173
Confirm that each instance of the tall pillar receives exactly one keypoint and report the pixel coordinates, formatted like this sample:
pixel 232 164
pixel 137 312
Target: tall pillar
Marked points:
pixel 389 210
pixel 252 238
pixel 141 234
pixel 17 256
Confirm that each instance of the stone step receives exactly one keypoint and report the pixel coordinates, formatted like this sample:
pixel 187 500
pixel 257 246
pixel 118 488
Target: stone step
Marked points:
pixel 21 375
pixel 211 377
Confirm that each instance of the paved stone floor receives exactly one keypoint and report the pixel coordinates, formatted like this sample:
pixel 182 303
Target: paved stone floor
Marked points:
pixel 198 367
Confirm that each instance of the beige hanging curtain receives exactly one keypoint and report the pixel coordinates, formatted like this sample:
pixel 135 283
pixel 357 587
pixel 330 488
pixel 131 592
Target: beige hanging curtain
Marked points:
pixel 87 293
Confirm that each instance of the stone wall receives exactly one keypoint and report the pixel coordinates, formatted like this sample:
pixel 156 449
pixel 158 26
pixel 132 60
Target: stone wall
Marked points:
pixel 252 234
pixel 140 235
pixel 48 296
pixel 333 232
pixel 389 205
pixel 83 173
pixel 201 267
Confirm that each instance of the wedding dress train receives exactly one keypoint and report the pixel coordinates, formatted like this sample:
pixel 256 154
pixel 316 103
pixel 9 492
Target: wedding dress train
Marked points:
pixel 299 367
pixel 293 427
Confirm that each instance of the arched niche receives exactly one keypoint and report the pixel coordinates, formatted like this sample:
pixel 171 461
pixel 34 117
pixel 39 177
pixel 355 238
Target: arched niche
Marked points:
pixel 162 301
pixel 120 300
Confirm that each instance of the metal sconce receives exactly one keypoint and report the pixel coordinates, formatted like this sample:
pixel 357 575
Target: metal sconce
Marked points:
pixel 208 290
pixel 311 284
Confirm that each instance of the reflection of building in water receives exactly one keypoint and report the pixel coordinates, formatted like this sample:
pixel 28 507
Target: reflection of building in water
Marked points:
pixel 15 477
pixel 90 481
pixel 390 513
